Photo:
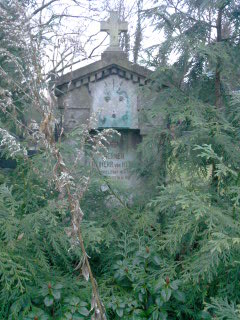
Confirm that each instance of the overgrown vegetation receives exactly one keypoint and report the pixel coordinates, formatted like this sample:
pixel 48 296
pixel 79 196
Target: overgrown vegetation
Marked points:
pixel 173 255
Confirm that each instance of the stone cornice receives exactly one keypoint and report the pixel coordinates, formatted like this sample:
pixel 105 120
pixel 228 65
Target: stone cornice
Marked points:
pixel 111 63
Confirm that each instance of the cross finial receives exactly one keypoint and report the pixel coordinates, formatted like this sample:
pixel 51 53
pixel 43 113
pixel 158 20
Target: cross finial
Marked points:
pixel 113 27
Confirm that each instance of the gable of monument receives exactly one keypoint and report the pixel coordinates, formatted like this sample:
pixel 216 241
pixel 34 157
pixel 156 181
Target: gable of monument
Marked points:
pixel 105 92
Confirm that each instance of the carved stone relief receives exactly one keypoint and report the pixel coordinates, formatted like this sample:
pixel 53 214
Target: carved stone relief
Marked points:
pixel 114 103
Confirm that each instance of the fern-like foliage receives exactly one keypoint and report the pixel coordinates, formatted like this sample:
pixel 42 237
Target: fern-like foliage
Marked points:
pixel 223 309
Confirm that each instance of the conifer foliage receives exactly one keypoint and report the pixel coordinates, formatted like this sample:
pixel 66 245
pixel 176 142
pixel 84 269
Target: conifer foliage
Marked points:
pixel 198 134
pixel 174 252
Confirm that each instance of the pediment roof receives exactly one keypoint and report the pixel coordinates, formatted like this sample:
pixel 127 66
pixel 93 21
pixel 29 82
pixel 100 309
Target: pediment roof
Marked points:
pixel 111 63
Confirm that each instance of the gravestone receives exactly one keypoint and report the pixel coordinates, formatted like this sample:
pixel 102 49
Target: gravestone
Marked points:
pixel 106 94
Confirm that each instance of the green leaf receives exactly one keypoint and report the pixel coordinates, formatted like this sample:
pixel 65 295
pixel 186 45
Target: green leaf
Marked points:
pixel 159 301
pixel 179 296
pixel 155 315
pixel 163 315
pixel 146 255
pixel 68 315
pixel 58 286
pixel 72 309
pixel 166 294
pixel 119 312
pixel 138 312
pixel 40 314
pixel 75 317
pixel 84 311
pixel 157 260
pixel 56 294
pixel 48 301
pixel 73 301
pixel 140 297
pixel 174 285
pixel 158 285
pixel 205 315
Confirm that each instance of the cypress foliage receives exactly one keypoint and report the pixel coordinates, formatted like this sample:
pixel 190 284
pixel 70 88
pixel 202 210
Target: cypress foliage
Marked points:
pixel 172 255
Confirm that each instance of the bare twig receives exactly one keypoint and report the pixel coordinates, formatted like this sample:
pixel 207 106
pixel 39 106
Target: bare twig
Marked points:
pixel 42 8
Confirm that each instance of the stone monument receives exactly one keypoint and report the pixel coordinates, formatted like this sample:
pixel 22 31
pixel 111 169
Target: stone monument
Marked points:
pixel 108 92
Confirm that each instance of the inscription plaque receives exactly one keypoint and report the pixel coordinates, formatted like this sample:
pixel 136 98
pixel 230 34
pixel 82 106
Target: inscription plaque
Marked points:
pixel 117 164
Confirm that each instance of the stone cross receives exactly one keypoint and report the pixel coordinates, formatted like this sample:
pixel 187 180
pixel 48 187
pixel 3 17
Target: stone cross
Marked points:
pixel 113 27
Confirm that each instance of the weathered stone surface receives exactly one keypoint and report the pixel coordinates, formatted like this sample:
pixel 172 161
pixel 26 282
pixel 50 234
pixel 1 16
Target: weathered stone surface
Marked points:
pixel 76 106
pixel 118 163
pixel 109 60
pixel 114 103
pixel 113 27
pixel 111 101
